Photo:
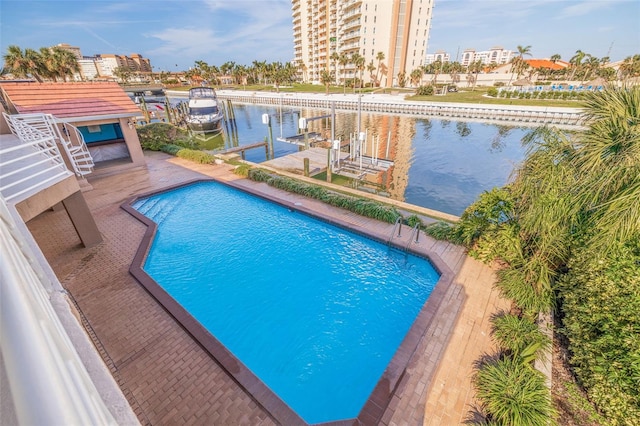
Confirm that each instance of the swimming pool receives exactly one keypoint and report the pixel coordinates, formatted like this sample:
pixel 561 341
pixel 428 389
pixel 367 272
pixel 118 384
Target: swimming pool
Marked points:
pixel 315 312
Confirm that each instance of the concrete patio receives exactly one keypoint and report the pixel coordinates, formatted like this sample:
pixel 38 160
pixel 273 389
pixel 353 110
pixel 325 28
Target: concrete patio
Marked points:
pixel 168 378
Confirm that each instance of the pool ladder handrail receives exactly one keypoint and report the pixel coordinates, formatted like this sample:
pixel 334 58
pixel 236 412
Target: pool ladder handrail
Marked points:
pixel 397 225
pixel 414 231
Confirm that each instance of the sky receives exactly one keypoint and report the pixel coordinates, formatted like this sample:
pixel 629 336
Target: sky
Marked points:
pixel 176 34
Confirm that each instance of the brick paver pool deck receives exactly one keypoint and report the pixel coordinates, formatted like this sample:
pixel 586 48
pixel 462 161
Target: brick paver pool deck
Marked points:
pixel 169 379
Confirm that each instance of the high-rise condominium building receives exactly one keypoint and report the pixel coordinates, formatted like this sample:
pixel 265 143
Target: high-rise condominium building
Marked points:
pixel 324 30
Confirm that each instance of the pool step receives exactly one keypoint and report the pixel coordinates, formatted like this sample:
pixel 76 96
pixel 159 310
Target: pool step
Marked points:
pixel 155 208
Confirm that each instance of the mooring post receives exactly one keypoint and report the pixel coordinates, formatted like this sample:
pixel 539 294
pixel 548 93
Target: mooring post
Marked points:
pixel 306 166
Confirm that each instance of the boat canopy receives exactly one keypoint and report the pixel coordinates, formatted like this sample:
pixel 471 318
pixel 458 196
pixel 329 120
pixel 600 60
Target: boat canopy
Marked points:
pixel 202 92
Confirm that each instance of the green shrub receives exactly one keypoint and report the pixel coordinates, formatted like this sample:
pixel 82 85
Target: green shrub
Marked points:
pixel 491 209
pixel 515 334
pixel 362 206
pixel 259 175
pixel 200 157
pixel 524 286
pixel 413 220
pixel 154 135
pixel 442 231
pixel 493 92
pixel 424 91
pixel 511 393
pixel 499 84
pixel 600 302
pixel 242 170
pixel 170 149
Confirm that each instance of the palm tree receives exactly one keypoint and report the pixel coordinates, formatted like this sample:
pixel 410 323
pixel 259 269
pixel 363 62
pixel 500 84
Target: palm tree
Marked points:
pixel 454 70
pixel 591 65
pixel 524 50
pixel 473 70
pixel 227 67
pixel 326 78
pixel 576 62
pixel 379 58
pixel 65 62
pixel 335 57
pixel 343 59
pixel 260 70
pixel 435 68
pixel 416 76
pixel 303 67
pixel 609 163
pixel 630 67
pixel 358 61
pixel 17 63
pixel 46 64
pixel 123 73
pixel 518 65
pixel 371 68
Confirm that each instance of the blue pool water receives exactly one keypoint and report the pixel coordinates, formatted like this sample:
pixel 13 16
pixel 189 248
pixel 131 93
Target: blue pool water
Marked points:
pixel 314 311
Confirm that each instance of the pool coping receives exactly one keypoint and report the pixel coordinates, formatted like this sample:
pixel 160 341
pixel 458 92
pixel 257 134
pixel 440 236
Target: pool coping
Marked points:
pixel 382 394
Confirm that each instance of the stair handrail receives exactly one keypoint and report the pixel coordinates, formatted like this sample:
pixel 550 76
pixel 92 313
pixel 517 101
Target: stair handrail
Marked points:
pixel 42 166
pixel 396 225
pixel 81 147
pixel 78 155
pixel 414 231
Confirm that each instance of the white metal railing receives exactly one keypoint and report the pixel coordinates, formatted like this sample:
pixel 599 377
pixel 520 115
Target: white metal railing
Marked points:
pixel 30 165
pixel 47 380
pixel 67 135
pixel 570 117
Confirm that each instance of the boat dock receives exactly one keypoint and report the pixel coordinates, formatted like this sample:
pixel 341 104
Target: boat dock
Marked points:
pixel 294 163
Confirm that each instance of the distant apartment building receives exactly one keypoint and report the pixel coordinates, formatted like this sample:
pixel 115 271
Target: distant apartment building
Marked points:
pixel 102 65
pixel 397 28
pixel 108 62
pixel 440 55
pixel 495 55
pixel 89 68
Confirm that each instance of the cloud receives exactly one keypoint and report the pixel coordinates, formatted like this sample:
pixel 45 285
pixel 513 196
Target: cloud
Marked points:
pixel 184 42
pixel 585 7
pixel 481 14
pixel 240 31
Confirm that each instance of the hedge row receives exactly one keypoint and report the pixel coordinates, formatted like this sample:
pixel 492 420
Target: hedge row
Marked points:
pixel 361 206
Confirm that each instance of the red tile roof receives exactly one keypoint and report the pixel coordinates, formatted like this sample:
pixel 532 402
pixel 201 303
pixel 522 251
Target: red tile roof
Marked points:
pixel 70 100
pixel 545 63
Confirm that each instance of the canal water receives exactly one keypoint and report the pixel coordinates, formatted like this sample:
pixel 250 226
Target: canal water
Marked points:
pixel 438 164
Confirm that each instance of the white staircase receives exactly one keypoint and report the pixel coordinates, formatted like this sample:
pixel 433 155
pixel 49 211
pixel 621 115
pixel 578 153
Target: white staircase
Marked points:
pixel 68 136
pixel 29 163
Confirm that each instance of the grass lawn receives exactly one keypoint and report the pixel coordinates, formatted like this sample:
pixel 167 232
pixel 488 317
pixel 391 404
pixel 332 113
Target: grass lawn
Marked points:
pixel 477 97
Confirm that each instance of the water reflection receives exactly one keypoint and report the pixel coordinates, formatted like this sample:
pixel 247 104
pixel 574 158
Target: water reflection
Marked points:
pixel 435 165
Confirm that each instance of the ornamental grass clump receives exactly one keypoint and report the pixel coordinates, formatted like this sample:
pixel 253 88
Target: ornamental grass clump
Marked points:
pixel 512 393
pixel 515 334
